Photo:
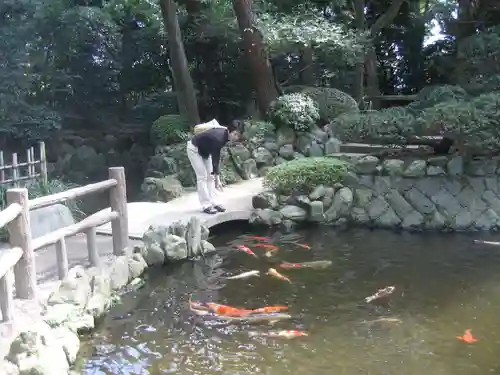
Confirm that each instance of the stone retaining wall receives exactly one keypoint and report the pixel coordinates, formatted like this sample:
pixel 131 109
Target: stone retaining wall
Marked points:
pixel 439 193
pixel 49 346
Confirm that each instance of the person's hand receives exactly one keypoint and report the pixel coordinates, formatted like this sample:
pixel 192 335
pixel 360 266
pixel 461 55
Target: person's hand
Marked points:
pixel 218 184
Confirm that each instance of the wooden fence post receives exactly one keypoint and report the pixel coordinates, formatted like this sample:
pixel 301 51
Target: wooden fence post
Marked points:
pixel 15 171
pixel 118 203
pixel 20 236
pixel 92 247
pixel 43 165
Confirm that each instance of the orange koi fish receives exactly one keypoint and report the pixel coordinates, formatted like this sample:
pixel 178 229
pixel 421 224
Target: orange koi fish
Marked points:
pixel 467 337
pixel 288 334
pixel 272 272
pixel 210 307
pixel 270 309
pixel 247 250
pixel 268 247
pixel 225 310
pixel 259 238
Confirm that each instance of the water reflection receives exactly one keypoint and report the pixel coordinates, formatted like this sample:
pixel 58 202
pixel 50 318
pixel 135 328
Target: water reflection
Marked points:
pixel 444 286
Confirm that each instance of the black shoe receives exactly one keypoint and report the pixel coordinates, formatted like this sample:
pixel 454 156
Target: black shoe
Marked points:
pixel 210 210
pixel 220 208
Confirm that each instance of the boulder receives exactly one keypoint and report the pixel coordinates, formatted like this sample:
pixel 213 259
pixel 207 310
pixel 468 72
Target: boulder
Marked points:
pixel 263 156
pixel 266 199
pixel 294 213
pixel 175 248
pixel 161 189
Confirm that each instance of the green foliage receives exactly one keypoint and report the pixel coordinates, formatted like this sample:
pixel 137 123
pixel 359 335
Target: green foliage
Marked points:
pixel 169 129
pixel 303 175
pixel 283 32
pixel 432 95
pixel 298 111
pixel 389 126
pixel 257 132
pixel 481 55
pixel 474 123
pixel 21 114
pixel 331 102
pixel 38 189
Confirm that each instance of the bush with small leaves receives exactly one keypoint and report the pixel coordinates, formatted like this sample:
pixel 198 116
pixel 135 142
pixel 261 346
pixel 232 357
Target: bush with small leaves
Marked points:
pixel 298 111
pixel 432 95
pixel 256 132
pixel 387 126
pixel 331 102
pixel 303 175
pixel 169 129
pixel 474 123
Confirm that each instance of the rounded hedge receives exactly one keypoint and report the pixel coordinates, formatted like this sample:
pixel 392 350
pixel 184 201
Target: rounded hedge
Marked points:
pixel 391 125
pixel 303 175
pixel 432 95
pixel 297 111
pixel 169 129
pixel 474 123
pixel 331 102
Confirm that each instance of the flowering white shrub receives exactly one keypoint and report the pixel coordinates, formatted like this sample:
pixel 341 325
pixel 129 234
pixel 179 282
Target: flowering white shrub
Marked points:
pixel 298 111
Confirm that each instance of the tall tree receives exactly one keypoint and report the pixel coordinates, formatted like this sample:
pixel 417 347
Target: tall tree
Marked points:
pixel 371 59
pixel 260 66
pixel 184 87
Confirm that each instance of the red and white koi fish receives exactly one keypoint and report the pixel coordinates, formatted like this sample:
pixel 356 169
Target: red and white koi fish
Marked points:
pixel 307 247
pixel 269 309
pixel 381 293
pixel 285 334
pixel 272 272
pixel 247 250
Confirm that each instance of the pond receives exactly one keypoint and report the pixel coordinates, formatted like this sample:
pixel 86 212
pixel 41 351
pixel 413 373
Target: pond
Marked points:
pixel 444 285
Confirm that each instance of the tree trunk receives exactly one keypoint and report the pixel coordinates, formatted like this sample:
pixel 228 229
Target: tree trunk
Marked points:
pixel 372 82
pixel 260 66
pixel 306 65
pixel 465 27
pixel 186 95
pixel 359 79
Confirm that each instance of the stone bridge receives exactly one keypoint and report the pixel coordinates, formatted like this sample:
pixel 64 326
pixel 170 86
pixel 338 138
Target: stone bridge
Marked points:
pixel 237 199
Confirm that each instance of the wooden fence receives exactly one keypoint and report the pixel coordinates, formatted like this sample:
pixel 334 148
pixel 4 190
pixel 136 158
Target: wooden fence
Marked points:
pixel 20 256
pixel 17 173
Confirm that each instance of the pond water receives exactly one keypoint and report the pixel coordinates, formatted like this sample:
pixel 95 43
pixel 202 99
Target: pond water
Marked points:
pixel 444 285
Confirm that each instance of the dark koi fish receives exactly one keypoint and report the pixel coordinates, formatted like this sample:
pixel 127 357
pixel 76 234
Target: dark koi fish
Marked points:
pixel 318 264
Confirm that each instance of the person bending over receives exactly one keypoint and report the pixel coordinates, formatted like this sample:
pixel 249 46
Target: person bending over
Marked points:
pixel 203 151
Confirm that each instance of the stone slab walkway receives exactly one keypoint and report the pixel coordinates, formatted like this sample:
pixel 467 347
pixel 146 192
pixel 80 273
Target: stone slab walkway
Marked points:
pixel 237 199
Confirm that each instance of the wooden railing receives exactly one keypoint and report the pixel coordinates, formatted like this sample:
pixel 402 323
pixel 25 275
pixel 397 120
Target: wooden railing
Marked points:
pixel 16 173
pixel 20 256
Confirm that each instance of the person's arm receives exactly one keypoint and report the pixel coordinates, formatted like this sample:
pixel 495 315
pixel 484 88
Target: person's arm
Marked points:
pixel 216 161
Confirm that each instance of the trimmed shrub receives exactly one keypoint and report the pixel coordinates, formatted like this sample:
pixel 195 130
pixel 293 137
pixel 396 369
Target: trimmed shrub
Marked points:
pixel 387 126
pixel 298 111
pixel 169 129
pixel 474 123
pixel 331 102
pixel 432 95
pixel 303 175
